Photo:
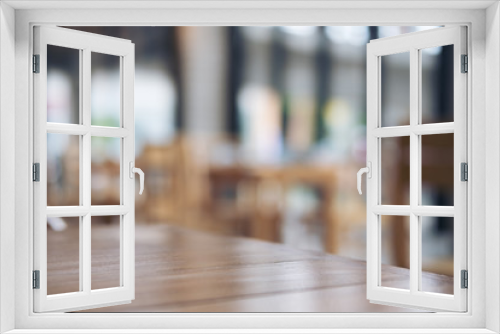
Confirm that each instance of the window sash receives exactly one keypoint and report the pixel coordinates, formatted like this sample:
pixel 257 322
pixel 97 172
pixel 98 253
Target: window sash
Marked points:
pixel 86 43
pixel 412 43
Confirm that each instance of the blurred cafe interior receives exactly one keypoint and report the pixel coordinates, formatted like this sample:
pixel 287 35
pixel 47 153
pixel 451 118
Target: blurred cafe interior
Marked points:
pixel 252 133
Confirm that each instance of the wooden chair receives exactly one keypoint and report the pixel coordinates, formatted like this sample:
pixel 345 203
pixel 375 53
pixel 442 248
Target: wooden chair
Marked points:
pixel 163 201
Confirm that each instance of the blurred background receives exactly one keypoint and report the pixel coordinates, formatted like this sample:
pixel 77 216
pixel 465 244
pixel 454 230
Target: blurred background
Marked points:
pixel 258 132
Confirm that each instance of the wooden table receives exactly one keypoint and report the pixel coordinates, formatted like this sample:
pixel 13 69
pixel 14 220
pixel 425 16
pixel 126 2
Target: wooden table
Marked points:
pixel 181 270
pixel 265 216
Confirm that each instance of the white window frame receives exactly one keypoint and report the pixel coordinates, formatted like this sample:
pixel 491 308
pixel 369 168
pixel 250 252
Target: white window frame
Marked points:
pixel 483 125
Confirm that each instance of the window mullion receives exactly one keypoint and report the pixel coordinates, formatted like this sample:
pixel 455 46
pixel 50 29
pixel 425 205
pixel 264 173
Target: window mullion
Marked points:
pixel 80 182
pixel 414 169
pixel 85 236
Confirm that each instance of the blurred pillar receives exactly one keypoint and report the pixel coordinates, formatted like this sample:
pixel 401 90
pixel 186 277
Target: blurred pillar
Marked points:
pixel 203 59
pixel 445 106
pixel 300 91
pixel 174 61
pixel 278 61
pixel 324 64
pixel 444 83
pixel 374 32
pixel 236 61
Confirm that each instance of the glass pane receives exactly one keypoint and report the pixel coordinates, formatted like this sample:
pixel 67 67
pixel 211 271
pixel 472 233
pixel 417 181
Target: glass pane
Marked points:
pixel 437 84
pixel 105 91
pixel 395 99
pixel 105 252
pixel 437 169
pixel 105 168
pixel 395 170
pixel 437 254
pixel 63 85
pixel 395 239
pixel 63 255
pixel 63 169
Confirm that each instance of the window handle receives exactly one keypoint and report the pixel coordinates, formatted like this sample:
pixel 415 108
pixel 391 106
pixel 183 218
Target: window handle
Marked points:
pixel 133 170
pixel 368 171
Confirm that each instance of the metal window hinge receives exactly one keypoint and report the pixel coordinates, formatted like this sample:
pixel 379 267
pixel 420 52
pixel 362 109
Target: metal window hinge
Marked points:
pixel 36 279
pixel 464 171
pixel 465 279
pixel 465 64
pixel 36 63
pixel 36 172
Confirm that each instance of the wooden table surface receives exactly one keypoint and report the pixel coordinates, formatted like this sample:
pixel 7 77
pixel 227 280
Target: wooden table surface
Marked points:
pixel 181 270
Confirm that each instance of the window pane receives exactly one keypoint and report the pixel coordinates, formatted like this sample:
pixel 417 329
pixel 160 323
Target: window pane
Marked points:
pixel 105 90
pixel 437 170
pixel 63 169
pixel 395 99
pixel 437 84
pixel 63 85
pixel 395 252
pixel 106 153
pixel 437 254
pixel 105 252
pixel 395 170
pixel 63 255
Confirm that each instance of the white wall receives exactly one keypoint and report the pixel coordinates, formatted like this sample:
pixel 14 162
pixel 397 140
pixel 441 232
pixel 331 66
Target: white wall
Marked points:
pixel 7 160
pixel 492 163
